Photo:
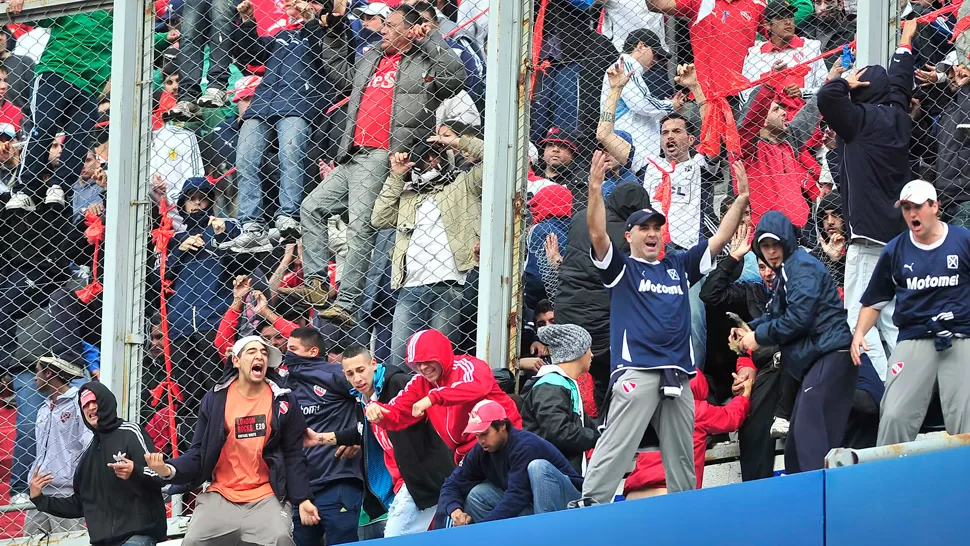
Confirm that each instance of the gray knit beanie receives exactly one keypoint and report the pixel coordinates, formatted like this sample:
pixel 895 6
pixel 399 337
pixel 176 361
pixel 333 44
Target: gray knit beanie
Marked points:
pixel 566 342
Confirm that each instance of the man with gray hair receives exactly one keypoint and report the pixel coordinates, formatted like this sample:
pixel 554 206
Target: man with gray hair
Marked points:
pixel 552 407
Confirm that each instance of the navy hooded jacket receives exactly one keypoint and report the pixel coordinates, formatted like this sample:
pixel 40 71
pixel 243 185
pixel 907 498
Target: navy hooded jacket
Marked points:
pixel 323 395
pixel 805 316
pixel 307 67
pixel 874 130
pixel 202 286
pixel 283 451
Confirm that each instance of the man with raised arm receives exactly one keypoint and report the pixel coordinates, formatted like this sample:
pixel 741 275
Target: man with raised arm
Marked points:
pixel 652 361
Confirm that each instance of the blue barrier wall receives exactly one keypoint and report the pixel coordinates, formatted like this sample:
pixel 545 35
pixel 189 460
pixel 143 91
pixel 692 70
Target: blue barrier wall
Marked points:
pixel 921 499
pixel 913 500
pixel 784 511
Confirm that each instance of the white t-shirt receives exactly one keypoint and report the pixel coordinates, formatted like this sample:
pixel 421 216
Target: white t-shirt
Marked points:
pixel 684 216
pixel 638 112
pixel 429 256
pixel 624 16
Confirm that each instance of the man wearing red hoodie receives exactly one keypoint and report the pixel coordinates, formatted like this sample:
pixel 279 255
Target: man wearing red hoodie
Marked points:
pixel 447 388
pixel 648 480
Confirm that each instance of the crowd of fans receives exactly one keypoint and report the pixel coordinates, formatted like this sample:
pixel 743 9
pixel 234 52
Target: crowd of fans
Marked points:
pixel 728 231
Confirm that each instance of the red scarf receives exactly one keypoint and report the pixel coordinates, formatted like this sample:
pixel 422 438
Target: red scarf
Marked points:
pixel 94 234
pixel 663 194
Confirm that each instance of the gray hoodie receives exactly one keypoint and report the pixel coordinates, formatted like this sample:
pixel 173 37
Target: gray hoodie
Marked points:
pixel 61 439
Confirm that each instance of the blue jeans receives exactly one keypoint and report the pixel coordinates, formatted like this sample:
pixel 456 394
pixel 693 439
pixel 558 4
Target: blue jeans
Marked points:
pixel 139 540
pixel 698 324
pixel 195 13
pixel 57 106
pixel 435 306
pixel 339 507
pixel 29 400
pixel 293 135
pixel 556 102
pixel 551 492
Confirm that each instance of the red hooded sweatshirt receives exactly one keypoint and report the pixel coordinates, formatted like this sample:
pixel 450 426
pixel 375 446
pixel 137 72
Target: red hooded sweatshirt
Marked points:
pixel 464 382
pixel 708 419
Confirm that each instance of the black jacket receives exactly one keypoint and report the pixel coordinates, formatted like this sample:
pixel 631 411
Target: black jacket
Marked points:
pixel 425 462
pixel 953 177
pixel 722 293
pixel 548 412
pixel 283 451
pixel 114 509
pixel 874 130
pixel 806 316
pixel 582 299
pixel 836 268
pixel 830 33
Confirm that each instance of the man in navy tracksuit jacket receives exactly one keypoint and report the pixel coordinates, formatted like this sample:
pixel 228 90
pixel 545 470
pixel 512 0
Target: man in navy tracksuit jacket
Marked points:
pixel 323 394
pixel 869 112
pixel 805 317
pixel 510 472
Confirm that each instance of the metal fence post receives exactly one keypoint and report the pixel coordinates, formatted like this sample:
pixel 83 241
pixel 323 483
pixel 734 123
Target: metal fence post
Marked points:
pixel 875 38
pixel 126 215
pixel 505 156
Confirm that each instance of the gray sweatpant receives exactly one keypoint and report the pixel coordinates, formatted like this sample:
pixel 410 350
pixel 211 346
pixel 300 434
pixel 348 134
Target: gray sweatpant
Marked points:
pixel 636 402
pixel 914 368
pixel 218 522
pixel 352 188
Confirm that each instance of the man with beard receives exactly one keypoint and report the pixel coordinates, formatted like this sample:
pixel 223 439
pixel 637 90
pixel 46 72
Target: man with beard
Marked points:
pixel 869 112
pixel 831 244
pixel 249 446
pixel 560 153
pixel 831 25
pixel 433 205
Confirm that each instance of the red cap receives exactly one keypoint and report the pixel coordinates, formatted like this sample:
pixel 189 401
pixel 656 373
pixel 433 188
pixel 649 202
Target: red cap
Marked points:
pixel 88 396
pixel 482 416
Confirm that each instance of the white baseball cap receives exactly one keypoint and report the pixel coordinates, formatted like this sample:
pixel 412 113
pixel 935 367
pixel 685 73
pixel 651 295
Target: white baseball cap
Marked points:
pixel 917 192
pixel 373 9
pixel 275 356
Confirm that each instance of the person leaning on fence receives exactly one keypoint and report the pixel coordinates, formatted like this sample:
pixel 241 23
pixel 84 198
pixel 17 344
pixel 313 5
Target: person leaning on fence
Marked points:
pixel 869 112
pixel 249 445
pixel 927 270
pixel 115 491
pixel 396 89
pixel 806 319
pixel 307 68
pixel 437 212
pixel 72 73
pixel 446 388
pixel 650 330
pixel 62 437
pixel 509 472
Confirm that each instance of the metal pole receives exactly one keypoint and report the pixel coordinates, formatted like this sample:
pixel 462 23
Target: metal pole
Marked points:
pixel 875 37
pixel 125 237
pixel 505 138
pixel 843 456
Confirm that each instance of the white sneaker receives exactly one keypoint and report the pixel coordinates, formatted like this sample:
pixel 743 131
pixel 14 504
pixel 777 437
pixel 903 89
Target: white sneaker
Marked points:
pixel 212 98
pixel 55 196
pixel 779 428
pixel 252 239
pixel 20 201
pixel 289 228
pixel 19 498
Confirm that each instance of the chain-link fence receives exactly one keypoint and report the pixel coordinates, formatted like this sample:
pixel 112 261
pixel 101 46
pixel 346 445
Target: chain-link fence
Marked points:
pixel 322 164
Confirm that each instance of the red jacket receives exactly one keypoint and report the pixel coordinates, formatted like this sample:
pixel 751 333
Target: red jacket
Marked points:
pixel 781 177
pixel 708 419
pixel 465 381
pixel 226 334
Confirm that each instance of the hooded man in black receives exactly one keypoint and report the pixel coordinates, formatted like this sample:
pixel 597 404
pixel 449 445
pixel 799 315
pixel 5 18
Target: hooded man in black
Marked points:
pixel 869 112
pixel 114 491
pixel 805 317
